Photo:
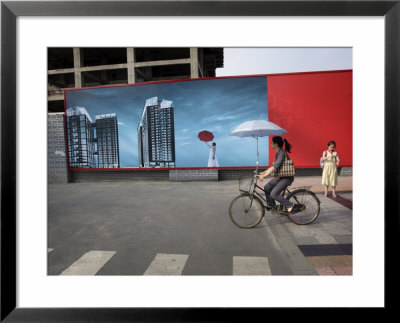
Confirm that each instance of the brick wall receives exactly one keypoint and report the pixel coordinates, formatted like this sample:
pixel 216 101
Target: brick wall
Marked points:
pixel 193 175
pixel 57 170
pixel 229 174
pixel 118 175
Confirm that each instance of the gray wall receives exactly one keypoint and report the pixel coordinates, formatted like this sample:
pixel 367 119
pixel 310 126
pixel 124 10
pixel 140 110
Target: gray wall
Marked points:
pixel 118 175
pixel 57 170
pixel 184 175
pixel 229 174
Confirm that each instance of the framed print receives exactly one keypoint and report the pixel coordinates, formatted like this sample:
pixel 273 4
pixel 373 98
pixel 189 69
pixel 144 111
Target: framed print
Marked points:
pixel 185 11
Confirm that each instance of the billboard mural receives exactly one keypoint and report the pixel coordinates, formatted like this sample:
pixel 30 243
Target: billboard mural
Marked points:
pixel 187 123
pixel 162 125
pixel 314 108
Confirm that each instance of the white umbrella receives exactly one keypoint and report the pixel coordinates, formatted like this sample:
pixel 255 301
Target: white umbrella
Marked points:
pixel 257 128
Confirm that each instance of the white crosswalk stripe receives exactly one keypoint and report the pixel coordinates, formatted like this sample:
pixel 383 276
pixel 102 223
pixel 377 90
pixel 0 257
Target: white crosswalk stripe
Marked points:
pixel 251 266
pixel 164 264
pixel 90 263
pixel 167 264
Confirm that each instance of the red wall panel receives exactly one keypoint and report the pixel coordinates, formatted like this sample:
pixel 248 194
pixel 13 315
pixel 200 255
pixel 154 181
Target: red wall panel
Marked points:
pixel 314 108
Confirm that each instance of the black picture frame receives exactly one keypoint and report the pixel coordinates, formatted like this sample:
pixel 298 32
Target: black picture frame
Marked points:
pixel 10 10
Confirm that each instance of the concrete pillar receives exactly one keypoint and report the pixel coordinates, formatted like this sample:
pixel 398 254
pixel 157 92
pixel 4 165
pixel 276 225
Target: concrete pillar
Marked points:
pixel 194 63
pixel 201 62
pixel 77 67
pixel 130 55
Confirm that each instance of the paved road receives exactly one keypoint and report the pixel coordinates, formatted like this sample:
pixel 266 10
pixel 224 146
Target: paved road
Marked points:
pixel 171 228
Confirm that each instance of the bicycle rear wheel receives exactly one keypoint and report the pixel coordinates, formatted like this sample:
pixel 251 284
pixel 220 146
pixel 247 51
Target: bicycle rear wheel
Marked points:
pixel 307 208
pixel 245 211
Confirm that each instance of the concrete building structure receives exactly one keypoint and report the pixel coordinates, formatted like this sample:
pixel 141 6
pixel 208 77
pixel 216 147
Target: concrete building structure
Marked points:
pixel 86 67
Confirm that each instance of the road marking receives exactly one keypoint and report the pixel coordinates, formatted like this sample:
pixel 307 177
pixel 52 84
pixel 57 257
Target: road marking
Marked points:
pixel 90 263
pixel 251 266
pixel 167 264
pixel 49 249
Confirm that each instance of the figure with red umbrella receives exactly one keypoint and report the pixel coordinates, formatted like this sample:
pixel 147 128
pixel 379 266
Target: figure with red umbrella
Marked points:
pixel 207 136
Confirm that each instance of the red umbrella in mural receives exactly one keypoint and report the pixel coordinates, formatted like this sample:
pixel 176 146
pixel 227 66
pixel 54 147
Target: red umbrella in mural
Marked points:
pixel 205 136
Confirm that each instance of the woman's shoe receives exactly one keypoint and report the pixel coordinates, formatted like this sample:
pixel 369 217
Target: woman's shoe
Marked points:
pixel 271 208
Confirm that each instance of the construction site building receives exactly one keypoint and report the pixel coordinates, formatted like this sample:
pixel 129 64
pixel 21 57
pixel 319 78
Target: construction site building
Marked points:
pixel 88 67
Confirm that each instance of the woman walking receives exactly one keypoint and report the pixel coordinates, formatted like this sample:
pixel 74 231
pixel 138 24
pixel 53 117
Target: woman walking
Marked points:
pixel 329 174
pixel 276 185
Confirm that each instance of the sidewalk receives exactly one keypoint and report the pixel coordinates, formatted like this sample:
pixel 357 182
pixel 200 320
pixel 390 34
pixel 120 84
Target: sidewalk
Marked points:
pixel 345 183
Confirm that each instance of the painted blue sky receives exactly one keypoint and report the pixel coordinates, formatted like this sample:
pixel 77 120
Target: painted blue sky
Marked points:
pixel 217 105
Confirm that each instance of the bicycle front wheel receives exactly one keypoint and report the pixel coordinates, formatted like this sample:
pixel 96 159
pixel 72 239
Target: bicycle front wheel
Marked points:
pixel 246 211
pixel 307 208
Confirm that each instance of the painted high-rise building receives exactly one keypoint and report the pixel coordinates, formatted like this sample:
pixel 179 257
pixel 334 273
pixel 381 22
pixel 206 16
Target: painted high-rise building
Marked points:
pixel 88 139
pixel 156 135
pixel 80 138
pixel 107 141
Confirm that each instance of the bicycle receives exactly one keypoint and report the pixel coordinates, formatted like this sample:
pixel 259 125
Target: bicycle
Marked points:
pixel 248 209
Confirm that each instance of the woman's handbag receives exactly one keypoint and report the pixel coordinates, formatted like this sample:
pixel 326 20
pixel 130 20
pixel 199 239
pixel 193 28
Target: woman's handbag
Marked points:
pixel 286 169
pixel 322 162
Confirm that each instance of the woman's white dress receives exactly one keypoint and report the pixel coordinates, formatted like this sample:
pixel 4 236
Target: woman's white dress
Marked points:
pixel 329 174
pixel 213 162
